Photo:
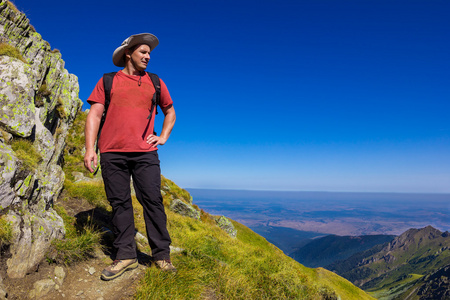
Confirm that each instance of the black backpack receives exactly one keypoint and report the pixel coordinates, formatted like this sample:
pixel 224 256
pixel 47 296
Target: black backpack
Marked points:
pixel 107 85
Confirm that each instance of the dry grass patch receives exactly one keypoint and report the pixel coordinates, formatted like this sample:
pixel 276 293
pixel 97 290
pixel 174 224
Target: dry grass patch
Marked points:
pixel 26 152
pixel 11 51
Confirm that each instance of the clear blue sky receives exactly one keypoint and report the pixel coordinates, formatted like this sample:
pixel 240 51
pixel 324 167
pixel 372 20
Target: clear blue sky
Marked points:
pixel 317 95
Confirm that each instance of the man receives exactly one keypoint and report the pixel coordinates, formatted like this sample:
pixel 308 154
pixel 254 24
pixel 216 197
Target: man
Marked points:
pixel 128 148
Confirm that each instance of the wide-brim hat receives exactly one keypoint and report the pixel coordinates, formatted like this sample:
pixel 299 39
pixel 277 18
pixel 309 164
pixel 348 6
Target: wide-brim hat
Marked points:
pixel 136 39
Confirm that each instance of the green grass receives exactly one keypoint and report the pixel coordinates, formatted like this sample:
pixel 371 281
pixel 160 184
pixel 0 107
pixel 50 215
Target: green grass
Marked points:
pixel 212 265
pixel 217 266
pixel 44 90
pixel 175 191
pixel 25 151
pixel 8 50
pixel 82 238
pixel 416 259
pixel 5 233
pixel 5 135
pixel 60 109
pixel 395 289
pixel 93 192
pixel 41 94
pixel 79 244
pixel 399 276
pixel 74 150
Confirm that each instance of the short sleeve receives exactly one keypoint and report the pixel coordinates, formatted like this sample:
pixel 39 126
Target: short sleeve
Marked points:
pixel 98 94
pixel 165 99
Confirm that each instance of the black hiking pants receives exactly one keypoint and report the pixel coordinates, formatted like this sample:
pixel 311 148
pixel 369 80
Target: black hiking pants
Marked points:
pixel 143 167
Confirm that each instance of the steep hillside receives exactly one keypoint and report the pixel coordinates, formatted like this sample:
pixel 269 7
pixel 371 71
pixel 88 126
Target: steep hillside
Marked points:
pixel 400 267
pixel 435 286
pixel 329 249
pixel 431 287
pixel 217 258
pixel 55 235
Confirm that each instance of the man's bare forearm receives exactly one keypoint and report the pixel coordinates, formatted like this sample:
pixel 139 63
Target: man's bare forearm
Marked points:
pixel 90 134
pixel 91 131
pixel 169 122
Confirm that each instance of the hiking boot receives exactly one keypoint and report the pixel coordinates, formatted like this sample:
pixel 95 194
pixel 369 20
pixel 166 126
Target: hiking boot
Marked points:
pixel 118 267
pixel 165 265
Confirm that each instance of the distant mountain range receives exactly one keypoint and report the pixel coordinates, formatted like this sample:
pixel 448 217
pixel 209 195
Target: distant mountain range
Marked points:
pixel 414 265
pixel 331 248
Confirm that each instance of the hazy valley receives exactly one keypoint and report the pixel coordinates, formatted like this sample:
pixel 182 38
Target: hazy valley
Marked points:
pixel 325 213
pixel 380 242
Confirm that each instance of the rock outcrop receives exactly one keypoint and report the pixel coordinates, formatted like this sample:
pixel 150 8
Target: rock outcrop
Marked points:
pixel 225 224
pixel 39 102
pixel 184 209
pixel 436 285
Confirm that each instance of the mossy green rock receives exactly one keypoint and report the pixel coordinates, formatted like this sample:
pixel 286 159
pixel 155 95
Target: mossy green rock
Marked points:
pixel 32 238
pixel 8 165
pixel 16 97
pixel 227 226
pixel 184 209
pixel 24 187
pixel 39 100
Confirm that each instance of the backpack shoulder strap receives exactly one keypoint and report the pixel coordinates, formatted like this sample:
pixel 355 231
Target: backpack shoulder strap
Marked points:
pixel 156 96
pixel 107 85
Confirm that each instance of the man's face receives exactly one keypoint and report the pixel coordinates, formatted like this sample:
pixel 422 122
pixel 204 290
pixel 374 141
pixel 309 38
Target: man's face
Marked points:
pixel 141 57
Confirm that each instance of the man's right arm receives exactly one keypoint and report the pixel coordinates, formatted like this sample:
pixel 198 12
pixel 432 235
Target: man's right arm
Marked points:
pixel 91 130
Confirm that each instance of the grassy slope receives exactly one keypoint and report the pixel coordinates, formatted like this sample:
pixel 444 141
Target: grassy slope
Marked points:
pixel 212 264
pixel 247 267
pixel 422 256
pixel 395 273
pixel 397 288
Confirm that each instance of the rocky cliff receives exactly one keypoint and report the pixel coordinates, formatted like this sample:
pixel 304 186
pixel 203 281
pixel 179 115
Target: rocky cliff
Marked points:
pixel 39 102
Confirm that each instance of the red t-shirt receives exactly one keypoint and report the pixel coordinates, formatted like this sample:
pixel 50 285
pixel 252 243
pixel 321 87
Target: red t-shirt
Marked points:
pixel 126 126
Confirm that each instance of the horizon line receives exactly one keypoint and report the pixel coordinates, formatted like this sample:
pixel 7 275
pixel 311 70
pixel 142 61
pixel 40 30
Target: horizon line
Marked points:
pixel 312 191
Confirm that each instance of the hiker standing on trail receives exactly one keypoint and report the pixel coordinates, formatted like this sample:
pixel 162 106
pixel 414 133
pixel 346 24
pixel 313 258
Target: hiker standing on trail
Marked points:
pixel 128 148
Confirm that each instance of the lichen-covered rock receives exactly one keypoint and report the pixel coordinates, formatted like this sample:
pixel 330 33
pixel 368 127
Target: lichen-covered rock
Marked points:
pixel 32 238
pixel 184 209
pixel 60 275
pixel 8 165
pixel 39 102
pixel 24 188
pixel 44 142
pixel 227 226
pixel 3 292
pixel 16 97
pixel 68 100
pixel 140 239
pixel 42 288
pixel 51 184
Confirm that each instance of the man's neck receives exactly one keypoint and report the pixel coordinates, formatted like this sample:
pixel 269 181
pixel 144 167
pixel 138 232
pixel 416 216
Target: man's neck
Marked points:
pixel 132 71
